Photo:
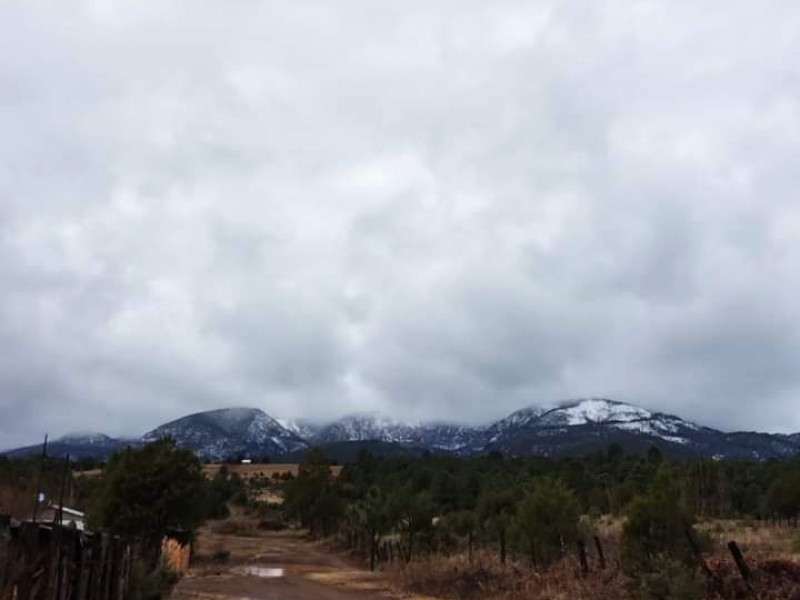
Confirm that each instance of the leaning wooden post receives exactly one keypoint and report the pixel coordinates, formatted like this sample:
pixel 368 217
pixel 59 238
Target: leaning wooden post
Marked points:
pixel 601 557
pixel 744 570
pixel 698 555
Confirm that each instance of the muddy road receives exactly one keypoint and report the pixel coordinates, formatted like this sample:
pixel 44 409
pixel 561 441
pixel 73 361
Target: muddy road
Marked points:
pixel 275 566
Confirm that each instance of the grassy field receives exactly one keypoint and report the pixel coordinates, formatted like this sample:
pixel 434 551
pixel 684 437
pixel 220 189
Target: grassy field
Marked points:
pixel 261 470
pixel 772 553
pixel 244 471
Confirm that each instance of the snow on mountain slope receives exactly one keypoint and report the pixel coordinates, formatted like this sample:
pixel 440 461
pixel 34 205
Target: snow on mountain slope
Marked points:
pixel 516 420
pixel 598 410
pixel 88 438
pixel 301 427
pixel 220 434
pixel 595 411
pixel 366 426
pixel 375 426
pixel 574 427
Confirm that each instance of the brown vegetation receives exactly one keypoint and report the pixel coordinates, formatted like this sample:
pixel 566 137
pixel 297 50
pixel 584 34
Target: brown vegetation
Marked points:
pixel 767 549
pixel 484 578
pixel 269 471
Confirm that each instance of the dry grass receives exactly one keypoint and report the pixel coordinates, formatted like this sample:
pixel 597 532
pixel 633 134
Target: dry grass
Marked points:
pixel 268 496
pixel 753 537
pixel 235 526
pixel 244 471
pixel 258 470
pixel 456 578
pixel 89 473
pixel 767 550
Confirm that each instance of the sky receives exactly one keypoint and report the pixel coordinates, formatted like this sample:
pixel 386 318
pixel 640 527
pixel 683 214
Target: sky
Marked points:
pixel 431 209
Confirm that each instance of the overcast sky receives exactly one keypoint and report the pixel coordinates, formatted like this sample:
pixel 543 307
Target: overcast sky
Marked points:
pixel 431 209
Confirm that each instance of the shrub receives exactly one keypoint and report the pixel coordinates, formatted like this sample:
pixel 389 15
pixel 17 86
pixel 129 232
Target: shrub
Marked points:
pixel 146 490
pixel 656 525
pixel 796 542
pixel 669 579
pixel 150 584
pixel 548 519
pixel 704 539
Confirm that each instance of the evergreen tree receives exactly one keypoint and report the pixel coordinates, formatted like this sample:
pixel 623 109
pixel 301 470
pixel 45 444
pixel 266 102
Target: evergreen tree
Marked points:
pixel 146 490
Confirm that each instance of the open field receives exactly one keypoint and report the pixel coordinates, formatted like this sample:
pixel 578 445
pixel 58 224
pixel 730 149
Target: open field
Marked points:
pixel 261 470
pixel 243 471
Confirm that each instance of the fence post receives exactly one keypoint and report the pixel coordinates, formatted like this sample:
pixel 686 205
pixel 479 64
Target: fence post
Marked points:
pixel 95 575
pixel 5 553
pixel 108 556
pixel 84 565
pixel 26 561
pixel 71 565
pixel 744 570
pixel 582 556
pixel 601 557
pixel 698 555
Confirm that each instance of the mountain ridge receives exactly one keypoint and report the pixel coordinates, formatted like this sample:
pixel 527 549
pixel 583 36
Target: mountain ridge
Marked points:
pixel 571 427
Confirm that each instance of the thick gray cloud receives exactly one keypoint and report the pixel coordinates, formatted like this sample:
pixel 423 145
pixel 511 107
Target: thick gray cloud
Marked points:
pixel 435 209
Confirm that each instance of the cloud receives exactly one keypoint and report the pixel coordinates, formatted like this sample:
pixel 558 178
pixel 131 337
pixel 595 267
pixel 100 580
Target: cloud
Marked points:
pixel 442 210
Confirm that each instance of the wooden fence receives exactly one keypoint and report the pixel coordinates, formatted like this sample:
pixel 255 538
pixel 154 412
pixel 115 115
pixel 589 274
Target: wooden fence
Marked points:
pixel 52 562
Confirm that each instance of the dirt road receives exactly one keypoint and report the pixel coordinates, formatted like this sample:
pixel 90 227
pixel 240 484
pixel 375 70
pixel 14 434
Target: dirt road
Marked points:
pixel 275 566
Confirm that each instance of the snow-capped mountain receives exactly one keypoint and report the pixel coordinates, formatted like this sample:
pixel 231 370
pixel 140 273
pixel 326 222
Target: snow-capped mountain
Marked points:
pixel 301 427
pixel 77 445
pixel 517 420
pixel 88 438
pixel 220 434
pixel 585 425
pixel 596 411
pixel 574 427
pixel 366 426
pixel 374 426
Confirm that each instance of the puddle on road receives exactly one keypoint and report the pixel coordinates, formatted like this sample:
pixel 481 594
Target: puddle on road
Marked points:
pixel 268 572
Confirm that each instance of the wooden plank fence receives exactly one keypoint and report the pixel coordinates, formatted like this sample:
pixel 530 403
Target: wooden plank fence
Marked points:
pixel 52 562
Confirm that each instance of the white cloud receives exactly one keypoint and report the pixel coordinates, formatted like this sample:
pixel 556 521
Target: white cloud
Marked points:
pixel 446 209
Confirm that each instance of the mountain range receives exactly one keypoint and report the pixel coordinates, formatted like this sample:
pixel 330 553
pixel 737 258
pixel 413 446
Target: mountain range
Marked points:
pixel 574 427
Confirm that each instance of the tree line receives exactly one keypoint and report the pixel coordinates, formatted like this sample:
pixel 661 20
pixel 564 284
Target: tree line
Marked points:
pixel 538 508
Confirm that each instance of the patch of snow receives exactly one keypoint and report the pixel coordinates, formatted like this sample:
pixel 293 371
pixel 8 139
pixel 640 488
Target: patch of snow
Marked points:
pixel 675 439
pixel 598 410
pixel 88 437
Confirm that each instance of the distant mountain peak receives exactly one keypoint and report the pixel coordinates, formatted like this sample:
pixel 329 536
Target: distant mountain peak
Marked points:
pixel 226 432
pixel 599 410
pixel 378 419
pixel 571 427
pixel 84 437
pixel 304 428
pixel 375 426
